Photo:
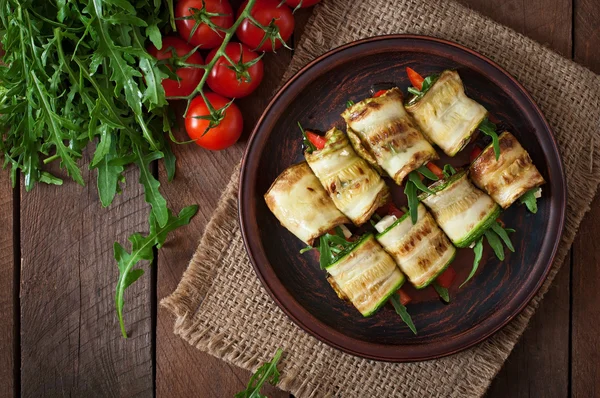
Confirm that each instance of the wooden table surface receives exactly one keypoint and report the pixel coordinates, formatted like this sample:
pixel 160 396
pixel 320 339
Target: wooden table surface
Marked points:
pixel 59 334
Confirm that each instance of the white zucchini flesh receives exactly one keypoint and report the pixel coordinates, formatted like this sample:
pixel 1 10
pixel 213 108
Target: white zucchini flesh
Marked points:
pixel 367 276
pixel 509 177
pixel 389 134
pixel 301 205
pixel 356 189
pixel 461 210
pixel 447 117
pixel 422 251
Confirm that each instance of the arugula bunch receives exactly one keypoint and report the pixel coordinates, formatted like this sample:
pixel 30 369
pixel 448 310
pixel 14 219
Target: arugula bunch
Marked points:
pixel 426 85
pixel 76 76
pixel 267 373
pixel 413 185
pixel 488 128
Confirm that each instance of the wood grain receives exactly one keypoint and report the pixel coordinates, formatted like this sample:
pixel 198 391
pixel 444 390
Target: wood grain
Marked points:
pixel 540 359
pixel 585 366
pixel 8 291
pixel 71 344
pixel 201 176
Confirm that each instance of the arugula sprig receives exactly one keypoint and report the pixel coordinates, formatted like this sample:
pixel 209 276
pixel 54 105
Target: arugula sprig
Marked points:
pixel 529 199
pixel 496 235
pixel 448 171
pixel 401 310
pixel 267 373
pixel 330 246
pixel 488 128
pixel 427 84
pixel 442 291
pixel 413 185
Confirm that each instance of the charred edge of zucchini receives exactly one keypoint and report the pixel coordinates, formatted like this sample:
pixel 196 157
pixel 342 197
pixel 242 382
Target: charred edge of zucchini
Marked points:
pixel 433 278
pixel 442 184
pixel 480 229
pixel 362 151
pixel 350 249
pixel 385 298
pixel 398 221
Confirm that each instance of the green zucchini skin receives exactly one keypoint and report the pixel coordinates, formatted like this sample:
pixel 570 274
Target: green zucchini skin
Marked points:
pixel 463 211
pixel 422 251
pixel 365 275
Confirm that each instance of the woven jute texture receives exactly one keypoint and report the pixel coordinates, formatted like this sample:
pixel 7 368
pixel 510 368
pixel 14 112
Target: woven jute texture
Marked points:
pixel 221 307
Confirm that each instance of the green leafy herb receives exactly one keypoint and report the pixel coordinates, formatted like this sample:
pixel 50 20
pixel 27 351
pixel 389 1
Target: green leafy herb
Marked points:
pixel 442 291
pixel 478 250
pixel 141 249
pixel 410 190
pixel 502 233
pixel 488 128
pixel 310 148
pixel 349 103
pixel 305 249
pixel 401 310
pixel 414 178
pixel 530 200
pixel 427 84
pixel 330 247
pixel 448 171
pixel 267 373
pixel 494 241
pixel 428 173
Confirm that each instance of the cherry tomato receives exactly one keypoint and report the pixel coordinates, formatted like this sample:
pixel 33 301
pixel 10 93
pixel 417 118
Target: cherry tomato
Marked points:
pixel 415 79
pixel 204 36
pixel 223 80
pixel 404 297
pixel 220 137
pixel 301 3
pixel 446 278
pixel 266 11
pixel 188 77
pixel 475 153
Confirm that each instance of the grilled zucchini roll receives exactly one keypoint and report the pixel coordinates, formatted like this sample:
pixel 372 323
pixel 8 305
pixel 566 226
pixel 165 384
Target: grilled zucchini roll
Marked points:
pixel 422 251
pixel 356 189
pixel 509 177
pixel 381 127
pixel 460 209
pixel 446 116
pixel 365 275
pixel 300 203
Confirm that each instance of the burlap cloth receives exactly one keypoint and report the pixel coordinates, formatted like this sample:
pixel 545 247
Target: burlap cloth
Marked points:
pixel 220 305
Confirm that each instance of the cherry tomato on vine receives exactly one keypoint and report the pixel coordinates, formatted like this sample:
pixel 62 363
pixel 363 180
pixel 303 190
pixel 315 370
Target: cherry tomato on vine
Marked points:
pixel 301 3
pixel 204 36
pixel 222 136
pixel 188 77
pixel 279 21
pixel 222 79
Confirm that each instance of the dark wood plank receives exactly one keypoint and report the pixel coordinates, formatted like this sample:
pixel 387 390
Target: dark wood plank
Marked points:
pixel 7 290
pixel 71 343
pixel 201 177
pixel 585 367
pixel 538 366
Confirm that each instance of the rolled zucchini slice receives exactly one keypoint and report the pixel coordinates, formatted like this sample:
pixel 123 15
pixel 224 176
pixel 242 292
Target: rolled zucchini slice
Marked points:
pixel 422 251
pixel 365 275
pixel 460 209
pixel 356 189
pixel 446 116
pixel 384 134
pixel 509 177
pixel 301 205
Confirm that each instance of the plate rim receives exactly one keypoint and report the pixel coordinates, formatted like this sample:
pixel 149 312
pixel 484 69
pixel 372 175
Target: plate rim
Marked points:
pixel 318 329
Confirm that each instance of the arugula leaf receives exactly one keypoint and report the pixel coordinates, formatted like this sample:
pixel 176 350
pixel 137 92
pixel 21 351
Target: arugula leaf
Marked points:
pixel 414 178
pixel 401 310
pixel 502 233
pixel 494 241
pixel 488 128
pixel 448 171
pixel 151 184
pixel 478 250
pixel 108 176
pixel 530 200
pixel 267 373
pixel 428 173
pixel 349 103
pixel 330 246
pixel 442 291
pixel 141 249
pixel 410 190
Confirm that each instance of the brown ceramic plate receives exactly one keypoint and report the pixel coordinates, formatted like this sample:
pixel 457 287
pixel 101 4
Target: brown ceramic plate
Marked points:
pixel 316 96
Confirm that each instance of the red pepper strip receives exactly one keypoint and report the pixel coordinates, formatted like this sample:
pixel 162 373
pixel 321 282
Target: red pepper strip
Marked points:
pixel 446 278
pixel 475 153
pixel 379 93
pixel 394 211
pixel 315 139
pixel 435 170
pixel 404 298
pixel 415 79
